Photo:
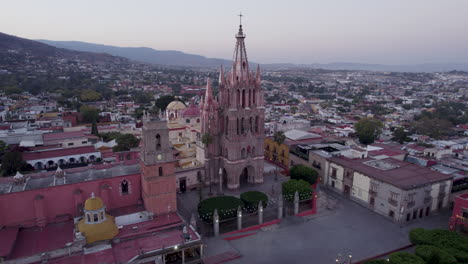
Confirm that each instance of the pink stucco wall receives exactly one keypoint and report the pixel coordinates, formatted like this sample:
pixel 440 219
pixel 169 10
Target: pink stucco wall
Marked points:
pixel 59 203
pixel 460 202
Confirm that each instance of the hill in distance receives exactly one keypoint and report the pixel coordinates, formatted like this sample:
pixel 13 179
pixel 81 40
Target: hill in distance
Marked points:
pixel 142 54
pixel 15 45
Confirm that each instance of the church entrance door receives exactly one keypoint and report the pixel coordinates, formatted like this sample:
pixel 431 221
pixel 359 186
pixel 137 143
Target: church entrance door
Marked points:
pixel 183 185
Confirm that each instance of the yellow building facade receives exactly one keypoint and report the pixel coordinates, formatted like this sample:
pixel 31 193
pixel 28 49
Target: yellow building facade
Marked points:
pixel 278 153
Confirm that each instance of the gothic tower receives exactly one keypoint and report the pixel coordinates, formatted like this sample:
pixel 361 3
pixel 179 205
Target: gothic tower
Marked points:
pixel 234 122
pixel 158 180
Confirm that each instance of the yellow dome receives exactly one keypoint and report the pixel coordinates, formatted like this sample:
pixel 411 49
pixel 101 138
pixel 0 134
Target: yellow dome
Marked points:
pixel 93 204
pixel 100 231
pixel 176 105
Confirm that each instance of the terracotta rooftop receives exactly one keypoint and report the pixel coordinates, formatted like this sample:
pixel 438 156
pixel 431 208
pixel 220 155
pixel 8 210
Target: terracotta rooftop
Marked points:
pixel 398 173
pixel 58 153
pixel 62 135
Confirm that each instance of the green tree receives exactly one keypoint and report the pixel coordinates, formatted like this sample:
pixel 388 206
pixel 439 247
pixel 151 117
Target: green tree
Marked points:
pixel 89 95
pixel 142 98
pixel 290 187
pixel 94 129
pixel 279 137
pixel 12 162
pixel 125 142
pixel 163 101
pixel 368 130
pixel 302 172
pixel 400 135
pixel 10 90
pixel 435 127
pixel 206 139
pixel 405 258
pixel 89 114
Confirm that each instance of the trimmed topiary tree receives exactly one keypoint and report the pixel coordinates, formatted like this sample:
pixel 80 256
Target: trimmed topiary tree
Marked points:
pixel 432 254
pixel 405 258
pixel 251 200
pixel 376 261
pixel 226 205
pixel 302 187
pixel 302 172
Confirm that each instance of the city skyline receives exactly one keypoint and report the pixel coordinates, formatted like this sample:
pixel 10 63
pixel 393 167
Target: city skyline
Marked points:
pixel 394 32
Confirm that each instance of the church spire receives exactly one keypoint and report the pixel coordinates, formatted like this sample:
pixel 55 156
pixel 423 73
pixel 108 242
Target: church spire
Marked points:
pixel 209 93
pixel 240 64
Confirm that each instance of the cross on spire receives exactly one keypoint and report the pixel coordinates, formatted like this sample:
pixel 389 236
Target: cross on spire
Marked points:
pixel 240 18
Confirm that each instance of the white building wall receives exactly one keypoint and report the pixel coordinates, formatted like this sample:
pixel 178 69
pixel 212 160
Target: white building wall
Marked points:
pixel 361 186
pixel 435 196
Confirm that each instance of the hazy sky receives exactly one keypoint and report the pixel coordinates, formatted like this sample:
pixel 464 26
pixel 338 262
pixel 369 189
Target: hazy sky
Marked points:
pixel 298 31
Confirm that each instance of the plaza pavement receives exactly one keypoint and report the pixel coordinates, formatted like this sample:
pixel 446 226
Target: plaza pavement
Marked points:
pixel 349 228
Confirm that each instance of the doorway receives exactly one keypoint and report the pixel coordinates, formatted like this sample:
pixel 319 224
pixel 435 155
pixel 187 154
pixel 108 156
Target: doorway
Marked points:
pixel 347 190
pixel 183 185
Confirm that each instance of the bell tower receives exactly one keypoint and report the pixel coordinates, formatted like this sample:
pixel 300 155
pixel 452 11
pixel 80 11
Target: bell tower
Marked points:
pixel 158 180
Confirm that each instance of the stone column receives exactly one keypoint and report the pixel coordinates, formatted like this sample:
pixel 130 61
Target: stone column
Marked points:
pixel 296 203
pixel 280 207
pixel 216 222
pixel 260 213
pixel 239 218
pixel 193 222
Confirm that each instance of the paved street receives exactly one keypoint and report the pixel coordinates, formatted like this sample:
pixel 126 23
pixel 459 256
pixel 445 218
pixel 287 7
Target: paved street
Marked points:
pixel 348 229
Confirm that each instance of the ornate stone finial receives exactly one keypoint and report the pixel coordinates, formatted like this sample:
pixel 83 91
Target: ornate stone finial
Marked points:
pixel 92 195
pixel 19 178
pixel 59 172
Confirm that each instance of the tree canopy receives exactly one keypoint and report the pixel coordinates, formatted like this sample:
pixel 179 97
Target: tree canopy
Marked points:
pixel 89 114
pixel 368 130
pixel 125 142
pixel 302 172
pixel 12 162
pixel 279 137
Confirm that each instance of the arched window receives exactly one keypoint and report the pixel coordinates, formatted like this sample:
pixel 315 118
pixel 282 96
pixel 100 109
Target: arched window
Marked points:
pixel 158 142
pixel 238 126
pixel 238 97
pixel 242 126
pixel 253 97
pixel 95 218
pixel 256 124
pixel 160 171
pixel 243 98
pixel 88 217
pixel 250 98
pixel 250 124
pixel 198 120
pixel 227 126
pixel 187 121
pixel 124 186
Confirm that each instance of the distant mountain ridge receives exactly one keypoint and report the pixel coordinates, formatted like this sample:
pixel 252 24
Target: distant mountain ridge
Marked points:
pixel 10 44
pixel 142 54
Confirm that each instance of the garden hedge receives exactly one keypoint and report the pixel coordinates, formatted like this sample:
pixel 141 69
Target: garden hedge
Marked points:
pixel 226 205
pixel 252 198
pixel 405 258
pixel 432 254
pixel 302 187
pixel 302 172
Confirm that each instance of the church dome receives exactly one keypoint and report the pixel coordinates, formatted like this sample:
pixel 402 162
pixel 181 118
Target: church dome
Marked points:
pixel 191 111
pixel 93 203
pixel 176 105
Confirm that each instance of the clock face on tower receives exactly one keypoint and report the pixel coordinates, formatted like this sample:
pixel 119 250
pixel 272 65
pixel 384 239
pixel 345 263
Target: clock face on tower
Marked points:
pixel 159 157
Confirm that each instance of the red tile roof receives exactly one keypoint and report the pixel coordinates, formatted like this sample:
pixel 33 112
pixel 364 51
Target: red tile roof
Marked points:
pixel 7 240
pixel 63 135
pixel 58 153
pixel 405 176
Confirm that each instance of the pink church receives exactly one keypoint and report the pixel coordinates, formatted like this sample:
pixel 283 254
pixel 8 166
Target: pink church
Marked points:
pixel 40 212
pixel 234 122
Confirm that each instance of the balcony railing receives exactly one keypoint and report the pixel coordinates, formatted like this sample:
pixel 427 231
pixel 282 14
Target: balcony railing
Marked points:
pixel 392 202
pixel 427 199
pixel 410 204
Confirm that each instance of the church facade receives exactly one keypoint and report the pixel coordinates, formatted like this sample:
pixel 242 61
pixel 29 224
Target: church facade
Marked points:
pixel 233 124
